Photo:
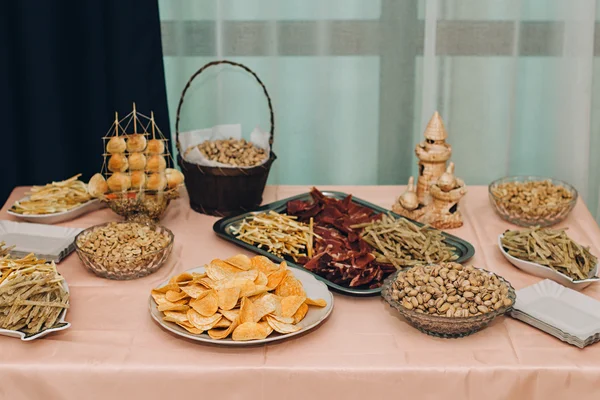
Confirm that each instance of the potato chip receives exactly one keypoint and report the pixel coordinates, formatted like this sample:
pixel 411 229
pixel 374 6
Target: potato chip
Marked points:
pixel 195 291
pixel 261 279
pixel 290 286
pixel 256 290
pixel 266 325
pixel 231 315
pixel 248 299
pixel 217 272
pixel 174 296
pixel 207 282
pixel 249 331
pixel 223 323
pixel 263 264
pixel 301 313
pixel 290 304
pixel 186 323
pixel 159 298
pixel 280 326
pixel 269 300
pixel 203 323
pixel 285 320
pixel 317 302
pixel 191 329
pixel 264 306
pixel 275 279
pixel 251 275
pixel 241 261
pixel 185 277
pixel 228 297
pixel 173 316
pixel 168 306
pixel 246 311
pixel 197 275
pixel 207 305
pixel 167 287
pixel 223 333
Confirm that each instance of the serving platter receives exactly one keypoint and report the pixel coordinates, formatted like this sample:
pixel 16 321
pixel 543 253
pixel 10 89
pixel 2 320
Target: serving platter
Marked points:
pixel 51 243
pixel 562 312
pixel 60 326
pixel 55 218
pixel 224 229
pixel 314 289
pixel 548 273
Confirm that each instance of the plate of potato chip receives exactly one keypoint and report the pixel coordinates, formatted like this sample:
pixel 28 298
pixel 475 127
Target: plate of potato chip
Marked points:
pixel 241 301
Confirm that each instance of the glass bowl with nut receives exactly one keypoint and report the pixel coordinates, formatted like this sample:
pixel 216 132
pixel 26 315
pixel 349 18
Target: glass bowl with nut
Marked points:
pixel 448 300
pixel 124 250
pixel 532 200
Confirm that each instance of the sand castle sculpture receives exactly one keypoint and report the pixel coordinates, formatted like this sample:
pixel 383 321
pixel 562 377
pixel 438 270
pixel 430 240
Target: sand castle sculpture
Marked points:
pixel 435 198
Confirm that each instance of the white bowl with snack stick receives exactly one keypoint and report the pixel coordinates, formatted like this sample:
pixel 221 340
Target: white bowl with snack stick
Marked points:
pixel 533 251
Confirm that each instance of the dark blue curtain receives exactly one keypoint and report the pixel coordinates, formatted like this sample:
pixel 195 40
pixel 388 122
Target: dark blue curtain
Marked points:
pixel 65 68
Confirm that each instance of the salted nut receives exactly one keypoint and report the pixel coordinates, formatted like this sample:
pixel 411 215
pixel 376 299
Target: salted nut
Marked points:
pixel 122 245
pixel 450 290
pixel 235 152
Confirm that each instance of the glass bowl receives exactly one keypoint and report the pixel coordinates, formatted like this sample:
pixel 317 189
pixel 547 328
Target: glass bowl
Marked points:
pixel 143 207
pixel 441 326
pixel 535 215
pixel 132 267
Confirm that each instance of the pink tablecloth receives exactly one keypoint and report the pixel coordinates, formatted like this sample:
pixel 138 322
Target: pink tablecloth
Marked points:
pixel 364 351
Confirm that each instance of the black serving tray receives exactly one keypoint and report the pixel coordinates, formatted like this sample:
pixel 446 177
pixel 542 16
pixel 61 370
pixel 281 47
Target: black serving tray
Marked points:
pixel 222 228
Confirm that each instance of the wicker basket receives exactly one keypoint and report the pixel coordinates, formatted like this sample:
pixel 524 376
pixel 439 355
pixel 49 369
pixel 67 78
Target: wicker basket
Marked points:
pixel 224 191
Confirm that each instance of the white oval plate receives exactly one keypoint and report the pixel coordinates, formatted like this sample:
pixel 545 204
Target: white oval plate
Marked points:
pixel 314 288
pixel 61 325
pixel 92 205
pixel 548 273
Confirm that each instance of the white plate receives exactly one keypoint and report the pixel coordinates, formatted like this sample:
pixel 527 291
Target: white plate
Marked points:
pixel 566 310
pixel 60 326
pixel 314 289
pixel 547 272
pixel 45 241
pixel 55 218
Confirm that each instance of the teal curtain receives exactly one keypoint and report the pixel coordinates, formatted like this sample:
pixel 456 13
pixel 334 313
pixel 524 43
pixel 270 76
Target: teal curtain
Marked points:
pixel 355 81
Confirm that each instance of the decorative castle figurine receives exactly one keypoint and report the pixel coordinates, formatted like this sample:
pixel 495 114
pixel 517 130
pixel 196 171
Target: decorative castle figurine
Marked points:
pixel 432 154
pixel 435 201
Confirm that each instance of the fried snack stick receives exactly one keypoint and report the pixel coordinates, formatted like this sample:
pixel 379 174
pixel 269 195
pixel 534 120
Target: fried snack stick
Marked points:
pixel 54 197
pixel 551 248
pixel 401 243
pixel 280 234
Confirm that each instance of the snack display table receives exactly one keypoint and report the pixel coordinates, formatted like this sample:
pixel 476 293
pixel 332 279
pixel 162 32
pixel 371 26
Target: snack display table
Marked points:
pixel 363 351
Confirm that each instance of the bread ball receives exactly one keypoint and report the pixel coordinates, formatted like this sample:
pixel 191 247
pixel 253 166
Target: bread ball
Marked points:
pixel 155 146
pixel 119 182
pixel 118 163
pixel 136 143
pixel 156 181
pixel 156 163
pixel 116 145
pixel 137 161
pixel 97 186
pixel 174 177
pixel 138 179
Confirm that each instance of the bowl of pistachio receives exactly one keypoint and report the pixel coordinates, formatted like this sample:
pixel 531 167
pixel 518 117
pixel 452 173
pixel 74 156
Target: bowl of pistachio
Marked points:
pixel 448 300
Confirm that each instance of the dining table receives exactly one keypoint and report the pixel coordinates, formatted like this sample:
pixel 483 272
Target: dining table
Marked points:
pixel 364 350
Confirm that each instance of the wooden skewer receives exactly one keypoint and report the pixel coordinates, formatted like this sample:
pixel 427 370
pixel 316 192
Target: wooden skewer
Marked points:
pixel 117 123
pixel 134 119
pixel 152 119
